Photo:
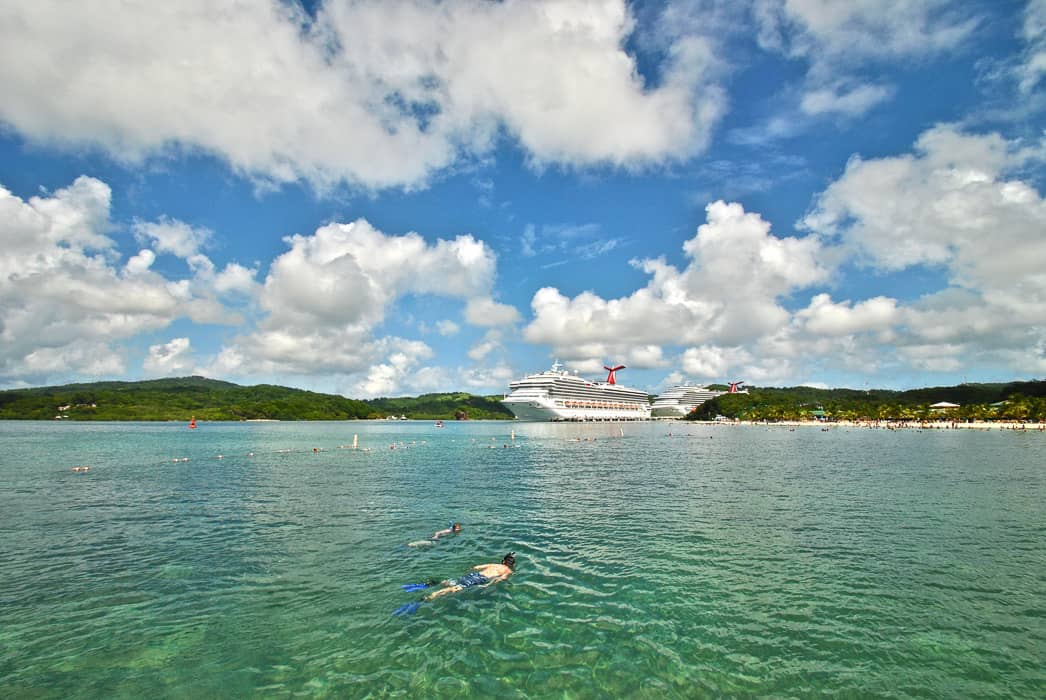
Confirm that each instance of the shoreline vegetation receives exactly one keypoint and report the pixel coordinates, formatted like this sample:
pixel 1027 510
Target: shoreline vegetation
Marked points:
pixel 1019 402
pixel 177 399
pixel 1018 426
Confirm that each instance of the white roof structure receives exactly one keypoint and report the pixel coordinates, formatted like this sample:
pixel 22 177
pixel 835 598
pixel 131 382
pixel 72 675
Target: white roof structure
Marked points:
pixel 944 404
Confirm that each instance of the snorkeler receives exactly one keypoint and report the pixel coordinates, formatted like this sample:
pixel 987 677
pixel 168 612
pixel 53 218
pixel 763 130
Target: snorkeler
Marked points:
pixel 454 528
pixel 480 576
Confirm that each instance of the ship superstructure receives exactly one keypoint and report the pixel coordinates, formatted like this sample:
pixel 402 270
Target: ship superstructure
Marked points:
pixel 680 400
pixel 557 395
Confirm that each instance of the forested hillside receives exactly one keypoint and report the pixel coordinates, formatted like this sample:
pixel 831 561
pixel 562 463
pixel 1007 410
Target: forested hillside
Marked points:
pixel 1012 401
pixel 209 399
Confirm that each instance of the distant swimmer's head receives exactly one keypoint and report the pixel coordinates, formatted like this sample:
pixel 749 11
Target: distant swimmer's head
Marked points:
pixel 509 560
pixel 456 527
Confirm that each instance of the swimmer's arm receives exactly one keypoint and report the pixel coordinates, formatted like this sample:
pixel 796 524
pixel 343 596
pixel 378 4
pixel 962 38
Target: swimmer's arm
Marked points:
pixel 495 579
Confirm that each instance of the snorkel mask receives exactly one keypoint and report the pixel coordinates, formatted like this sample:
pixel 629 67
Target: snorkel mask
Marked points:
pixel 509 560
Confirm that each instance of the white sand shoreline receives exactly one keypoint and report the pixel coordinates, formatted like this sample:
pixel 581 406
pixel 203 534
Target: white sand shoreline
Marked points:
pixel 893 425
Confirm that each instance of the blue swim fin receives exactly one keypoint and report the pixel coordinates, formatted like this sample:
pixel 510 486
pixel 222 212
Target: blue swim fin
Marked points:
pixel 414 586
pixel 407 608
pixel 419 586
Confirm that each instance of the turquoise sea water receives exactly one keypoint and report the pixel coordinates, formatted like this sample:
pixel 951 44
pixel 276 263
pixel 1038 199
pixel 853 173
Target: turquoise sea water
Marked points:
pixel 715 561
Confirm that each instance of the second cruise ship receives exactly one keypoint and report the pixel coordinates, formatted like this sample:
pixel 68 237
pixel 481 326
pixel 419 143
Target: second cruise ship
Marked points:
pixel 557 395
pixel 679 401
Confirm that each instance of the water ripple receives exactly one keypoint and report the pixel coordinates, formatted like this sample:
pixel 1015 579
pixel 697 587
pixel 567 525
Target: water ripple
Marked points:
pixel 716 561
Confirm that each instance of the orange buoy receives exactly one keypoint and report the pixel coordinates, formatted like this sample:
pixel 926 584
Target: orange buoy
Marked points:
pixel 192 423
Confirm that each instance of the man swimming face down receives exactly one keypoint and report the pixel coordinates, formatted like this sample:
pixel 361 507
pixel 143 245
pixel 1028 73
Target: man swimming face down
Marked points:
pixel 482 575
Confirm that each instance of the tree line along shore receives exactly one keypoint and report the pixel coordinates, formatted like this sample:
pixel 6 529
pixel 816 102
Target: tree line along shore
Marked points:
pixel 209 399
pixel 213 400
pixel 965 403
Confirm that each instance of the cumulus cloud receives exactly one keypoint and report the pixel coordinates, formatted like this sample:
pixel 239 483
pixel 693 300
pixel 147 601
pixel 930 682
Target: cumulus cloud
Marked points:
pixel 708 361
pixel 950 203
pixel 236 278
pixel 474 377
pixel 825 317
pixel 384 93
pixel 66 299
pixel 324 298
pixel 728 294
pixel 348 274
pixel 384 378
pixel 139 263
pixel 954 204
pixel 169 359
pixel 172 236
pixel 69 300
pixel 487 312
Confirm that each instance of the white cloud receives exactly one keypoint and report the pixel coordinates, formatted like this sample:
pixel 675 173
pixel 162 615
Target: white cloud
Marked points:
pixel 385 378
pixel 728 294
pixel 138 264
pixel 480 350
pixel 487 312
pixel 384 94
pixel 948 204
pixel 447 327
pixel 169 359
pixel 1033 32
pixel 952 204
pixel 844 100
pixel 349 273
pixel 708 362
pixel 88 357
pixel 437 379
pixel 236 278
pixel 856 30
pixel 323 299
pixel 66 300
pixel 172 236
pixel 824 317
pixel 840 40
pixel 584 241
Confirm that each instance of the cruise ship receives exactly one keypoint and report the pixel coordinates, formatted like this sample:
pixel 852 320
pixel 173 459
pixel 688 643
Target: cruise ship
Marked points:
pixel 680 400
pixel 557 395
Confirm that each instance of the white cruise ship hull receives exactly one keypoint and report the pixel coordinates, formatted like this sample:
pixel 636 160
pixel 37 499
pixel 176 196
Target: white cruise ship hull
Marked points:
pixel 544 409
pixel 560 396
pixel 679 401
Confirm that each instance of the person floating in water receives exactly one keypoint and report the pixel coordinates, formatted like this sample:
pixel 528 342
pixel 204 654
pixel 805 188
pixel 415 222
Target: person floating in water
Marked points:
pixel 452 529
pixel 479 576
pixel 482 575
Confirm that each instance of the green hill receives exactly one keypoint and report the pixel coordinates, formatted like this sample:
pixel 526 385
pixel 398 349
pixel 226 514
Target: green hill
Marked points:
pixel 444 406
pixel 1015 400
pixel 210 399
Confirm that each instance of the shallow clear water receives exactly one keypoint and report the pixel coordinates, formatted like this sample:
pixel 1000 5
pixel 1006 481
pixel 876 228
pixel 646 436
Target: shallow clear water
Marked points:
pixel 718 560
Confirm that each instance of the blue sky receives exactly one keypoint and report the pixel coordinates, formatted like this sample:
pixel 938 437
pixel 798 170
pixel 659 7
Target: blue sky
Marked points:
pixel 393 198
